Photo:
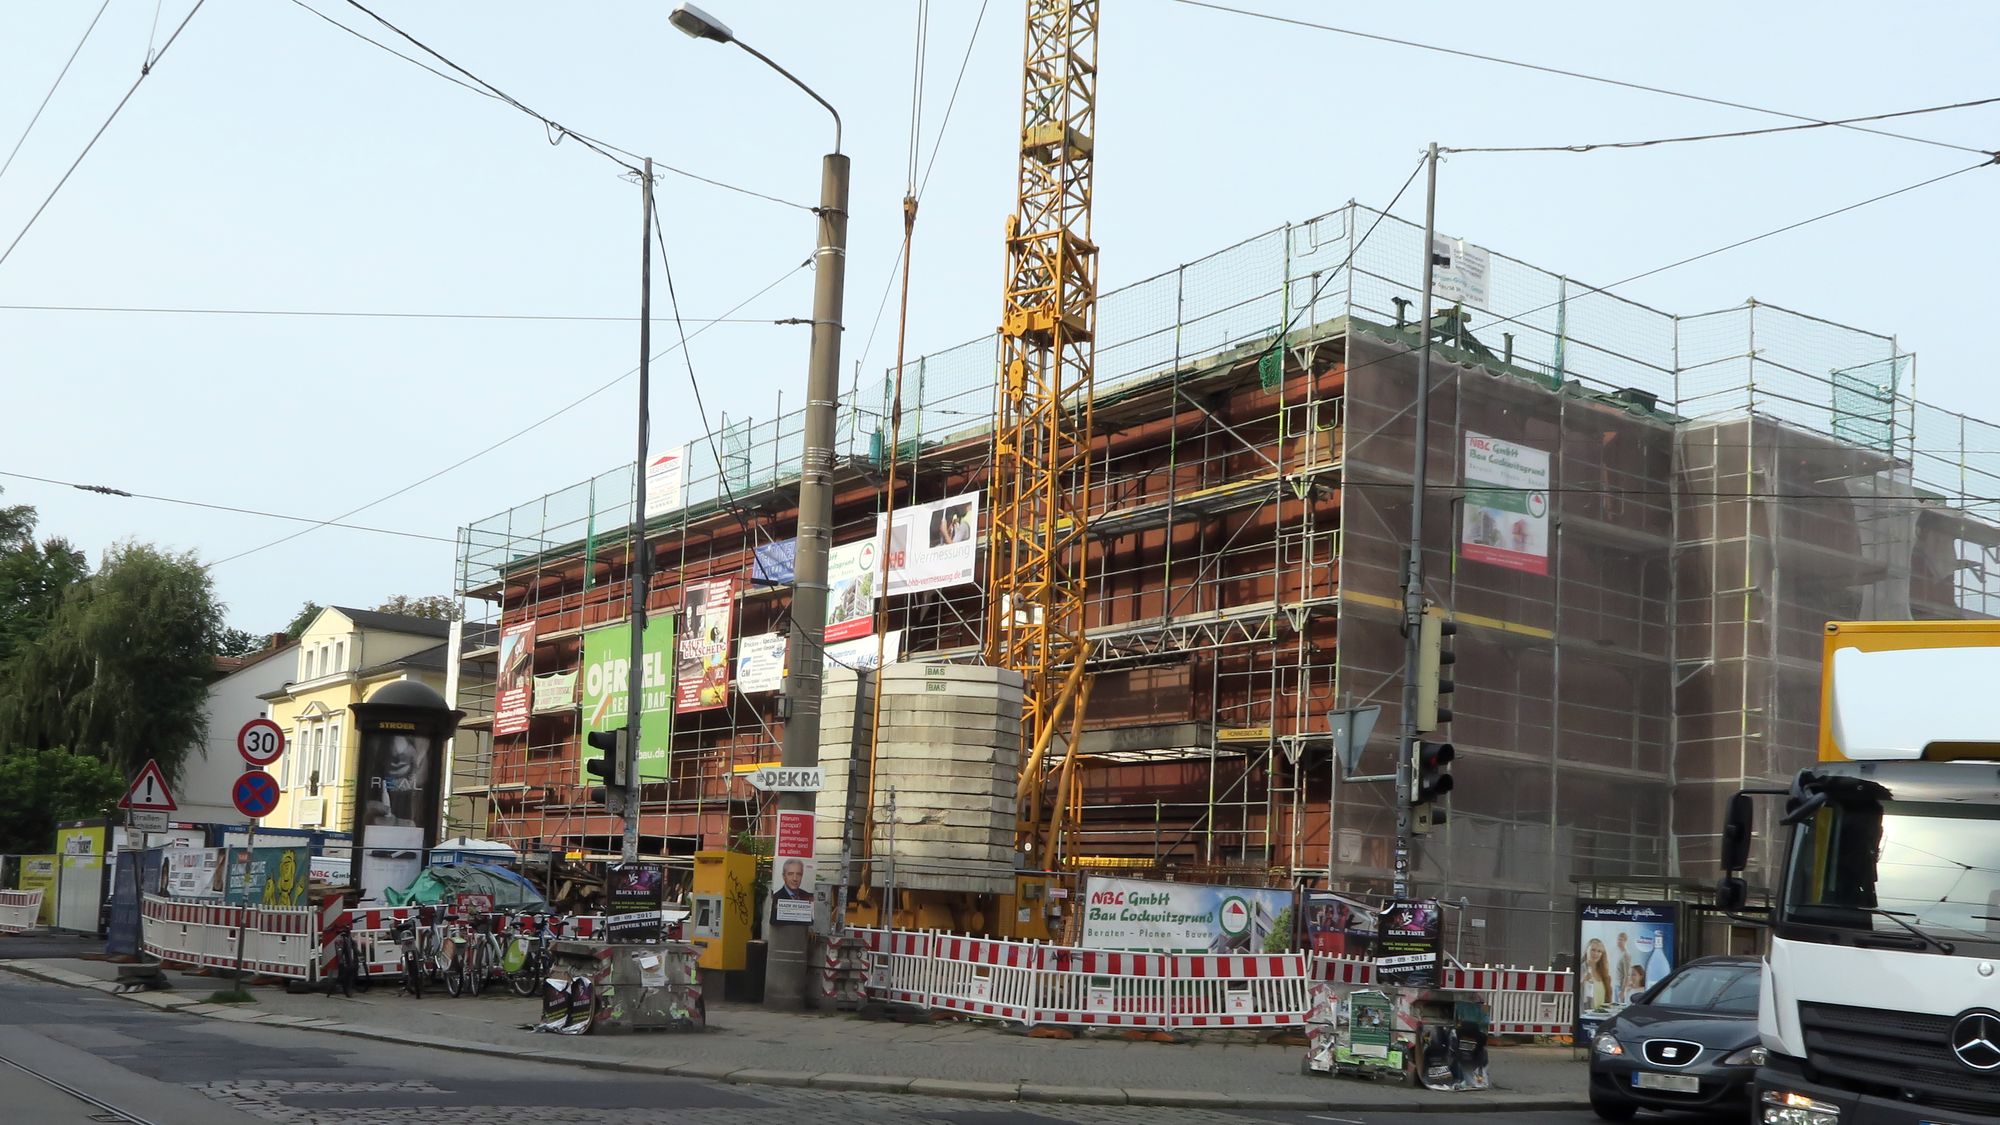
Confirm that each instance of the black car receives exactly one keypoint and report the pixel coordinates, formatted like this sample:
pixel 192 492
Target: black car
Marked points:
pixel 1688 1043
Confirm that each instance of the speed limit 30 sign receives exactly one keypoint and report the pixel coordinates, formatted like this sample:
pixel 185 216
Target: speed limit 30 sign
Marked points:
pixel 261 742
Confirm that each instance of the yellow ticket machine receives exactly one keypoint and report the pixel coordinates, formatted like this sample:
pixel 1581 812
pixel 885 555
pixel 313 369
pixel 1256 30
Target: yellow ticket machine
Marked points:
pixel 724 906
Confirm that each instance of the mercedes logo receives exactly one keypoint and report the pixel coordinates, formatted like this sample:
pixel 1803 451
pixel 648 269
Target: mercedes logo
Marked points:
pixel 1975 1039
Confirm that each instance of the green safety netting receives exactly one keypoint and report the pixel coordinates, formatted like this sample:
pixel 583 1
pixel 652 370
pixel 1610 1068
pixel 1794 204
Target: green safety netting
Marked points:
pixel 437 885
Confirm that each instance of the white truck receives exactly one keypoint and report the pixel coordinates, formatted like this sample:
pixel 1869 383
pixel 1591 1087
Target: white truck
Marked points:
pixel 1881 988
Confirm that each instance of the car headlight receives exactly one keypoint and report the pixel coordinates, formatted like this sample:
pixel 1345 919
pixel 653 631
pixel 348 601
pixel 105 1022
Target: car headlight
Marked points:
pixel 1608 1046
pixel 1783 1107
pixel 1748 1056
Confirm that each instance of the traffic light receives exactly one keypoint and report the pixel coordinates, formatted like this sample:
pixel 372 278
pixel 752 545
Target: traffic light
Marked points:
pixel 1434 661
pixel 609 766
pixel 1428 783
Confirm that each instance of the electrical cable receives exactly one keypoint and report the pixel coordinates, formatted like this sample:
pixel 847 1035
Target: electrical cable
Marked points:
pixel 1730 136
pixel 60 75
pixel 363 313
pixel 92 143
pixel 1559 72
pixel 384 46
pixel 544 420
pixel 104 490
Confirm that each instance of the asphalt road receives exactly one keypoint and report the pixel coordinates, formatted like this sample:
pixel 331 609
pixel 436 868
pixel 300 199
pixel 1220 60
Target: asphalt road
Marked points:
pixel 160 1068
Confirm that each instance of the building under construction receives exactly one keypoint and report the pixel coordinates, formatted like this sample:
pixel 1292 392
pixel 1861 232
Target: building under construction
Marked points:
pixel 1640 521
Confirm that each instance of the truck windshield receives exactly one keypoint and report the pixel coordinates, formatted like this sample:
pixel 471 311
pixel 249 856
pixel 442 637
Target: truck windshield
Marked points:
pixel 1876 864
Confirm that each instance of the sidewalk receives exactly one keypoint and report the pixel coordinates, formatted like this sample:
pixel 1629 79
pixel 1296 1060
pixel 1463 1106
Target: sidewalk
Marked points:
pixel 950 1058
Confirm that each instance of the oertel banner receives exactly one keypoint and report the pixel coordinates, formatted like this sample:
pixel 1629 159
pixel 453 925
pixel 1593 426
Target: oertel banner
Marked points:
pixel 607 664
pixel 1140 915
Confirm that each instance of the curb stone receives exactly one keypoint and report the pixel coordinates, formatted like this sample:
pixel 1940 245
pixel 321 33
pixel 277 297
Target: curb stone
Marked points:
pixel 1493 1101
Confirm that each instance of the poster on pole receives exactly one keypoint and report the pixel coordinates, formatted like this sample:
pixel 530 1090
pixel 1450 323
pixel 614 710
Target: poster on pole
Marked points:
pixel 1408 945
pixel 1339 927
pixel 666 481
pixel 1141 915
pixel 1462 273
pixel 1623 948
pixel 632 909
pixel 1506 505
pixel 760 663
pixel 793 883
pixel 701 669
pixel 514 686
pixel 933 546
pixel 851 589
pixel 607 666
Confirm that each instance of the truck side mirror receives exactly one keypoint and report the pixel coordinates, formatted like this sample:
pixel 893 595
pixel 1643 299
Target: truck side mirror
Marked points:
pixel 1736 829
pixel 1731 893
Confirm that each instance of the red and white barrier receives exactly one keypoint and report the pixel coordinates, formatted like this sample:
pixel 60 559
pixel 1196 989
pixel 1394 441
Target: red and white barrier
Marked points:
pixel 19 910
pixel 276 941
pixel 1519 1001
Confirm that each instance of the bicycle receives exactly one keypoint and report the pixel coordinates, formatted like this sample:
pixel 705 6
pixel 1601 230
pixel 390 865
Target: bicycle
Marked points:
pixel 346 962
pixel 481 955
pixel 405 932
pixel 529 957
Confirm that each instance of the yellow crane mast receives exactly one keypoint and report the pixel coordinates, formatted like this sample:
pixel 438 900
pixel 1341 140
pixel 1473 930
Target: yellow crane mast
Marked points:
pixel 1042 430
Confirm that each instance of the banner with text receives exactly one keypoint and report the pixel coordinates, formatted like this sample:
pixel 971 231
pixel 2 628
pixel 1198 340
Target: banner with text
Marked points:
pixel 792 867
pixel 666 483
pixel 1506 505
pixel 1623 948
pixel 760 663
pixel 1408 946
pixel 1141 915
pixel 933 546
pixel 701 673
pixel 607 667
pixel 555 691
pixel 851 590
pixel 513 689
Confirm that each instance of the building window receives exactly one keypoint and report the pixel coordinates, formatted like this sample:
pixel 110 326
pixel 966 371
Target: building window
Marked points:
pixel 294 740
pixel 339 656
pixel 319 751
pixel 332 773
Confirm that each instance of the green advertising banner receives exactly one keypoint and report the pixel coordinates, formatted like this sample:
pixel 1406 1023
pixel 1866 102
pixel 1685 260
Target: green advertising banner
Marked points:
pixel 607 664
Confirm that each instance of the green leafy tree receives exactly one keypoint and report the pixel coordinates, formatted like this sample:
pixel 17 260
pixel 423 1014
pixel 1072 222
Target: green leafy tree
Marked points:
pixel 238 642
pixel 33 577
pixel 42 788
pixel 302 620
pixel 436 607
pixel 1279 940
pixel 122 670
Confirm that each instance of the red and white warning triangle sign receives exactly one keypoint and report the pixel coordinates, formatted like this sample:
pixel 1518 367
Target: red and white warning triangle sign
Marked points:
pixel 149 791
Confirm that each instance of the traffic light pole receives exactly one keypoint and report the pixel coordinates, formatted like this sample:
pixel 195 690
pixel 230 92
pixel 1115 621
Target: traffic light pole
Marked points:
pixel 639 566
pixel 1413 555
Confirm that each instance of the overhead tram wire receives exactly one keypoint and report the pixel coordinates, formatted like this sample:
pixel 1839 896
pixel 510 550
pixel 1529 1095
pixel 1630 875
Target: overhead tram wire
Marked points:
pixel 538 423
pixel 368 314
pixel 144 71
pixel 105 490
pixel 1562 73
pixel 1602 145
pixel 53 86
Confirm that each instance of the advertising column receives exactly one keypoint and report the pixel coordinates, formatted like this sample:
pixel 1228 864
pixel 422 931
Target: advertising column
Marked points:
pixel 398 803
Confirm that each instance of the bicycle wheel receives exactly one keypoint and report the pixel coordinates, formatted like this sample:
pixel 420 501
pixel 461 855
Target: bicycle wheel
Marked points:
pixel 413 975
pixel 476 967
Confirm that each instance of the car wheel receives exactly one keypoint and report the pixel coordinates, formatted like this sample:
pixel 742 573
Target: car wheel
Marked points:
pixel 1611 1111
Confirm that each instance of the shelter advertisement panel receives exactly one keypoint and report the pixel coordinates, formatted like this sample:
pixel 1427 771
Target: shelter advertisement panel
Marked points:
pixel 607 665
pixel 1506 505
pixel 760 663
pixel 851 590
pixel 1408 949
pixel 1141 915
pixel 516 678
pixel 1623 948
pixel 792 872
pixel 666 481
pixel 555 692
pixel 933 546
pixel 701 671
pixel 401 786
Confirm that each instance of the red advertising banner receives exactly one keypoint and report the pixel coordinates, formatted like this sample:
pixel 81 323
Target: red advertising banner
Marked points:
pixel 701 656
pixel 514 688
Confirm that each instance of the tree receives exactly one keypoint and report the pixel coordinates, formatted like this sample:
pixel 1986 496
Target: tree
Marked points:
pixel 237 642
pixel 122 670
pixel 436 607
pixel 302 620
pixel 33 577
pixel 40 789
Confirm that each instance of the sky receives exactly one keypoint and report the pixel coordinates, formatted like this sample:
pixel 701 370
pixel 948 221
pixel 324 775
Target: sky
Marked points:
pixel 271 161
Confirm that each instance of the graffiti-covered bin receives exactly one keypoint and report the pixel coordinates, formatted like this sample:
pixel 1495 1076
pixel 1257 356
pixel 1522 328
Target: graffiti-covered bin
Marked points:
pixel 610 988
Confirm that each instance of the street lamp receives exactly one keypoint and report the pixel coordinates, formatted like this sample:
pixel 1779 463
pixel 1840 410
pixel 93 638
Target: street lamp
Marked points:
pixel 785 971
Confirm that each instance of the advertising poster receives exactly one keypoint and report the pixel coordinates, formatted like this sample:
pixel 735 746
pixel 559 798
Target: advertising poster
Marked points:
pixel 701 670
pixel 191 872
pixel 774 564
pixel 38 873
pixel 1408 952
pixel 269 876
pixel 513 687
pixel 1623 948
pixel 1144 916
pixel 397 805
pixel 1506 505
pixel 859 653
pixel 555 692
pixel 1463 275
pixel 1339 927
pixel 792 870
pixel 1371 1023
pixel 666 480
pixel 934 546
pixel 760 663
pixel 851 590
pixel 635 893
pixel 607 666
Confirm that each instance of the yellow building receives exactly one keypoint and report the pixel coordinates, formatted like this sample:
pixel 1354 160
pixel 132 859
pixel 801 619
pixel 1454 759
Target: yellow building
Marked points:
pixel 343 656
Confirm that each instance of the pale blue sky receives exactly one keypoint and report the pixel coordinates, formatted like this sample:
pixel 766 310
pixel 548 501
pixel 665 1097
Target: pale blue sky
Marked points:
pixel 272 161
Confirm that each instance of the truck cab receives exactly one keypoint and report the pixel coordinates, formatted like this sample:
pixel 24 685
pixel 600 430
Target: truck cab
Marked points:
pixel 1880 1000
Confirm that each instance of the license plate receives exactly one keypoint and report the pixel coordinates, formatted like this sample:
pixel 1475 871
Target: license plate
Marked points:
pixel 1676 1083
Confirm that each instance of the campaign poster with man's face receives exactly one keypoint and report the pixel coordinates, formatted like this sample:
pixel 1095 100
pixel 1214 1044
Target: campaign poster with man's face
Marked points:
pixel 792 876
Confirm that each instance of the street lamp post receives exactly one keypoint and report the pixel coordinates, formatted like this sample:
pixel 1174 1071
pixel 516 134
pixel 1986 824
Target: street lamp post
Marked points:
pixel 785 973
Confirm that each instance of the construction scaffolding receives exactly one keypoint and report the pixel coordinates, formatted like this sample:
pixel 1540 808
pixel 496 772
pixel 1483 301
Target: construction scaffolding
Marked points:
pixel 1645 639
